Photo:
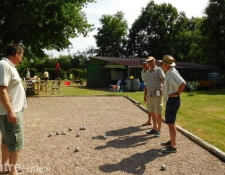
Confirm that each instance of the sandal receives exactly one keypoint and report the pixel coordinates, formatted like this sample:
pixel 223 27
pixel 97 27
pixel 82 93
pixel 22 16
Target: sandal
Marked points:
pixel 146 124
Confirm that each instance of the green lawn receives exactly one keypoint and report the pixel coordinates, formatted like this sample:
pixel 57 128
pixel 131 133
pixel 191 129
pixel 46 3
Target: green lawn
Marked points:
pixel 202 114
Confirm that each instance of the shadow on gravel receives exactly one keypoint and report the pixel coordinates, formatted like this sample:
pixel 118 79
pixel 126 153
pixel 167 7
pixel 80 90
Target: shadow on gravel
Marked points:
pixel 134 164
pixel 124 131
pixel 127 142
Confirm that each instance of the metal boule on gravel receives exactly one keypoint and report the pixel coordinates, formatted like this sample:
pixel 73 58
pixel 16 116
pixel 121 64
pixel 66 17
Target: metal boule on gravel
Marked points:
pixel 82 128
pixel 78 134
pixel 104 137
pixel 63 133
pixel 94 137
pixel 57 132
pixel 163 167
pixel 77 149
pixel 70 129
pixel 50 134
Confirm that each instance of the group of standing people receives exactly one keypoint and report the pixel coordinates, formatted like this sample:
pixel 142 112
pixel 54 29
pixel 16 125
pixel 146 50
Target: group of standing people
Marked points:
pixel 45 75
pixel 166 84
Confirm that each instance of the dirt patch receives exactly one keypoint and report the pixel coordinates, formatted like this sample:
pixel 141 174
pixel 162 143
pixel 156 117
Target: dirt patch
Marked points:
pixel 126 150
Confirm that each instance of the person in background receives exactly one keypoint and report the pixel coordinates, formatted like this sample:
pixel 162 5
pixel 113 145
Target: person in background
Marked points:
pixel 28 74
pixel 46 75
pixel 12 102
pixel 143 72
pixel 173 86
pixel 153 90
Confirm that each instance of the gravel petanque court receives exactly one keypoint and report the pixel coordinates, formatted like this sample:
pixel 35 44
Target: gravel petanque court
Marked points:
pixel 127 149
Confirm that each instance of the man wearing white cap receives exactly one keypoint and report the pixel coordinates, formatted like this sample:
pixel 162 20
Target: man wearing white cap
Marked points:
pixel 173 86
pixel 153 90
pixel 143 72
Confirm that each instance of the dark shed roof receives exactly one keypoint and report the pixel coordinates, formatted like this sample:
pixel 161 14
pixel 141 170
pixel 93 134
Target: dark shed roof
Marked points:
pixel 137 61
pixel 122 61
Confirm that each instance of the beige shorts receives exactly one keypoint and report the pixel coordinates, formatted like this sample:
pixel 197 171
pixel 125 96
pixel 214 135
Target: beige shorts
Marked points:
pixel 155 104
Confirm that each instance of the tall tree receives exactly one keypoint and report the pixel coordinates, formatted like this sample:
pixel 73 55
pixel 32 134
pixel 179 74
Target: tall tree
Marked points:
pixel 152 32
pixel 213 29
pixel 187 39
pixel 196 53
pixel 42 24
pixel 111 35
pixel 161 30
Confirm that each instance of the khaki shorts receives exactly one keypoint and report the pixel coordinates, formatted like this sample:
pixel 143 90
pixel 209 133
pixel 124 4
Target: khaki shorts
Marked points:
pixel 155 104
pixel 12 134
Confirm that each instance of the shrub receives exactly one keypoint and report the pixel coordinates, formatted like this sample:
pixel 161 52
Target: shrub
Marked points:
pixel 78 73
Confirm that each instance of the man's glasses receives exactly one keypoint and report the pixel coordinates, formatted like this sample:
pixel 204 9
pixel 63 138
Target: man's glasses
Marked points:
pixel 21 53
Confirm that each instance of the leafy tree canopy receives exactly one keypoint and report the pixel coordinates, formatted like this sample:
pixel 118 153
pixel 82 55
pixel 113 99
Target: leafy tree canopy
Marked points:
pixel 213 29
pixel 151 32
pixel 110 36
pixel 160 30
pixel 42 24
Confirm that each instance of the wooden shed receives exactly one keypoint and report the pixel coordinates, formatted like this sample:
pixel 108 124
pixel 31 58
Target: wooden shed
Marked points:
pixel 103 71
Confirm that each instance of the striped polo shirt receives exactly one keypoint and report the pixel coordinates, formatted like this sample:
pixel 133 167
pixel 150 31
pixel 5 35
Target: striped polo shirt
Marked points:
pixel 172 82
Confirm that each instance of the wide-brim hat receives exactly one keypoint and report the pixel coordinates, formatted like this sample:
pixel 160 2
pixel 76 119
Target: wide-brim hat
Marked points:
pixel 150 58
pixel 169 60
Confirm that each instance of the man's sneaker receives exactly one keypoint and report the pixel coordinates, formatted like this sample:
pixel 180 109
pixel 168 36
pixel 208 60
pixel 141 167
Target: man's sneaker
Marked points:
pixel 158 134
pixel 166 143
pixel 152 131
pixel 169 149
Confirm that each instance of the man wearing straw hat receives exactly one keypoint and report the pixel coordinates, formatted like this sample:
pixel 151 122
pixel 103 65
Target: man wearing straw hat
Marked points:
pixel 153 90
pixel 173 86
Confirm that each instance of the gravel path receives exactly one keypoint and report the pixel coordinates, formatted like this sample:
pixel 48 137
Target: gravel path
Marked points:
pixel 126 150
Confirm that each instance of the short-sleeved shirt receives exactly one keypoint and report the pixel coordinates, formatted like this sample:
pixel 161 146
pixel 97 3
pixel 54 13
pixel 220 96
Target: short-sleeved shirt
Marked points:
pixel 172 82
pixel 9 77
pixel 143 72
pixel 153 80
pixel 46 75
pixel 28 74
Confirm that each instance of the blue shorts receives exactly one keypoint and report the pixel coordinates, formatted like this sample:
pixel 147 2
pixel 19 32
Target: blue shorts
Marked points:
pixel 172 106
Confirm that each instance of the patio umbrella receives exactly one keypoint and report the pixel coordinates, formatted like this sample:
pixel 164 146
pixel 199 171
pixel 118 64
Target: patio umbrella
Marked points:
pixel 57 69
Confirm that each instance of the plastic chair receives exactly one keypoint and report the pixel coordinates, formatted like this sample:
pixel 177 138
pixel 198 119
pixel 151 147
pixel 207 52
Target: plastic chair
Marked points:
pixel 116 88
pixel 29 86
pixel 55 87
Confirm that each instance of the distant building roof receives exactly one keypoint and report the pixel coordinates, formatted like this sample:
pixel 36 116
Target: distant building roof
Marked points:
pixel 137 61
pixel 122 61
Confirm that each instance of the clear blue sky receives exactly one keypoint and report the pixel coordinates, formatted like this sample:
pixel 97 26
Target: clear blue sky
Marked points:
pixel 131 9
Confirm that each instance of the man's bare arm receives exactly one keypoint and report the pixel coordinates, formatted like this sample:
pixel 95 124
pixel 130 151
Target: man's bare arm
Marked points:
pixel 4 99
